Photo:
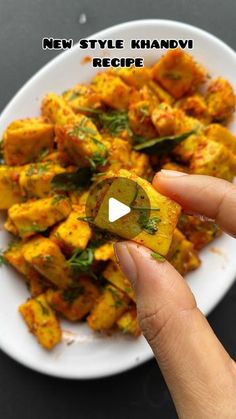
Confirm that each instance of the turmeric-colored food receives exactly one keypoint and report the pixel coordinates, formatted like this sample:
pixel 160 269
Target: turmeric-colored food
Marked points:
pixel 41 321
pixel 127 123
pixel 24 140
pixel 157 231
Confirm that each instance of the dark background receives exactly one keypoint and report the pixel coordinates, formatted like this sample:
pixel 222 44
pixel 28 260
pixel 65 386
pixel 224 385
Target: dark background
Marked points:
pixel 140 393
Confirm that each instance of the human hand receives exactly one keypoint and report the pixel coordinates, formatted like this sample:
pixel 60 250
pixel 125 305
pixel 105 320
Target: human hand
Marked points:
pixel 200 374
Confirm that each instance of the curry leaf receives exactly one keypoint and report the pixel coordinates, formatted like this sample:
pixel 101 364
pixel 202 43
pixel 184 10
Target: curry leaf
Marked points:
pixel 72 181
pixel 163 145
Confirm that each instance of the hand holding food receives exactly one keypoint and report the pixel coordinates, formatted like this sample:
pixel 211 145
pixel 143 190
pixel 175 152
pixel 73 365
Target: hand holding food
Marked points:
pixel 200 374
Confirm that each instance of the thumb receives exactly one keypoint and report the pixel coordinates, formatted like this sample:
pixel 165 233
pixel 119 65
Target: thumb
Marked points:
pixel 193 361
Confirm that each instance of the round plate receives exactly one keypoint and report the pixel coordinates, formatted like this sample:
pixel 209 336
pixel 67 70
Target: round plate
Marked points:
pixel 84 354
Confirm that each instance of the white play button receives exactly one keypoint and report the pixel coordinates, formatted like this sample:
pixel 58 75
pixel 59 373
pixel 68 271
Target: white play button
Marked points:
pixel 116 209
pixel 114 205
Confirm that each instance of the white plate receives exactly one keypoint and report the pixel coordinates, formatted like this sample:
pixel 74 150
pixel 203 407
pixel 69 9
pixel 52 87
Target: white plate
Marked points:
pixel 84 354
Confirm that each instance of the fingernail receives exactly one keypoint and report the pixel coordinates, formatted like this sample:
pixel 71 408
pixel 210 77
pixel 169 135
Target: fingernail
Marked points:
pixel 125 261
pixel 172 173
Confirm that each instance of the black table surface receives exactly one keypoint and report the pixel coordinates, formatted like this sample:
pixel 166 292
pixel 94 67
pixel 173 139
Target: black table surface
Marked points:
pixel 139 393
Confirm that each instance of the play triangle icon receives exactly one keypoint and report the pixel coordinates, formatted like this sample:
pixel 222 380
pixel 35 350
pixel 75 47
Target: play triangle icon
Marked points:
pixel 116 209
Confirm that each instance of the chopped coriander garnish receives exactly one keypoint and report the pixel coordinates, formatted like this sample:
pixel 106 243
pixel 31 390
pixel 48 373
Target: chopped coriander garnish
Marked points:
pixel 99 157
pixel 117 300
pixel 74 95
pixel 43 167
pixel 128 290
pixel 81 131
pixel 97 160
pixel 158 257
pixel 43 153
pixel 31 170
pixel 115 122
pixel 13 243
pixel 39 169
pixel 81 260
pixel 100 145
pixel 57 198
pixel 148 224
pixel 144 109
pixel 71 294
pixel 45 310
pixel 47 260
pixel 118 303
pixel 127 328
pixel 33 228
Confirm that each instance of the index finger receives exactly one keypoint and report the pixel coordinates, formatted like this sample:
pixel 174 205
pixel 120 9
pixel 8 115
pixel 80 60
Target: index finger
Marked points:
pixel 215 198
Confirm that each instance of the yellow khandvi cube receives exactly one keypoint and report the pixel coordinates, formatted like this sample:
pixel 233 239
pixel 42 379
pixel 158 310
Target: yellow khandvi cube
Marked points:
pixel 41 321
pixel 162 211
pixel 25 139
pixel 10 191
